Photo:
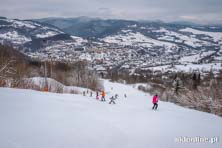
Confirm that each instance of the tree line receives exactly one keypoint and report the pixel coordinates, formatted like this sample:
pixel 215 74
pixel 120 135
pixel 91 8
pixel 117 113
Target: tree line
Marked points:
pixel 15 66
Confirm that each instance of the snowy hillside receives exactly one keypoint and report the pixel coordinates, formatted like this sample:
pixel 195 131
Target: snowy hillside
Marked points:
pixel 116 44
pixel 165 37
pixel 47 120
pixel 172 36
pixel 216 36
pixel 113 30
pixel 31 36
pixel 14 37
pixel 137 39
pixel 160 44
pixel 19 31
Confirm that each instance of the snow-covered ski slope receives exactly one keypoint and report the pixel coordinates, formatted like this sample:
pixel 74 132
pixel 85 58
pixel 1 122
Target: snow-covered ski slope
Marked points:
pixel 32 119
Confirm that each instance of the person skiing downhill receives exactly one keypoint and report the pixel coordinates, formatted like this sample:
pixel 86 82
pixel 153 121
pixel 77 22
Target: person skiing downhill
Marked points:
pixel 103 95
pixel 97 95
pixel 155 101
pixel 112 100
pixel 125 95
pixel 116 96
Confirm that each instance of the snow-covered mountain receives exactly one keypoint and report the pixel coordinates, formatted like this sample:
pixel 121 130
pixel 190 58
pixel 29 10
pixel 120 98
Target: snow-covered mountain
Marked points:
pixel 19 31
pixel 48 120
pixel 164 46
pixel 30 35
pixel 179 38
pixel 98 28
pixel 115 43
pixel 188 37
pixel 151 38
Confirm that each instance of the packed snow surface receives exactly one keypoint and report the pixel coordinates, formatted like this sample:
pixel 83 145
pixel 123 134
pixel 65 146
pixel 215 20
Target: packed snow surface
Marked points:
pixel 31 119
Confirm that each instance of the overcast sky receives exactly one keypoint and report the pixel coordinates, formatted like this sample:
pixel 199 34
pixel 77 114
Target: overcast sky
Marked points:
pixel 198 11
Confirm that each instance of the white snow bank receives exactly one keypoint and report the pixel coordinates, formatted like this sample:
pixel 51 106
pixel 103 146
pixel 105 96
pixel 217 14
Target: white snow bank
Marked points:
pixel 54 85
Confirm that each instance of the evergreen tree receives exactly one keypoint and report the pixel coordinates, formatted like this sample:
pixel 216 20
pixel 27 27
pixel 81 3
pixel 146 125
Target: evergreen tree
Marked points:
pixel 194 81
pixel 198 79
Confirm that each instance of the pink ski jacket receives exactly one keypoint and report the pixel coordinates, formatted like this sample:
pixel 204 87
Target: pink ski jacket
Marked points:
pixel 155 99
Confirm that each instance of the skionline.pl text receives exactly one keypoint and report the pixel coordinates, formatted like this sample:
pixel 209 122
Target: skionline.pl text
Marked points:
pixel 197 139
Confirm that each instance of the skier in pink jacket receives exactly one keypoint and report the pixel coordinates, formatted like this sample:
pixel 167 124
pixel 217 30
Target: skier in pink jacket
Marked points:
pixel 155 101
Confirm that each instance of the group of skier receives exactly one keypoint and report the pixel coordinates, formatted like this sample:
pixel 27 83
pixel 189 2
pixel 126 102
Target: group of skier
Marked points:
pixel 103 96
pixel 114 97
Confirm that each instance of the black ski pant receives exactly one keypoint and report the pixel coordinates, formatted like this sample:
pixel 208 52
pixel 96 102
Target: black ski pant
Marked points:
pixel 155 105
pixel 112 101
pixel 103 99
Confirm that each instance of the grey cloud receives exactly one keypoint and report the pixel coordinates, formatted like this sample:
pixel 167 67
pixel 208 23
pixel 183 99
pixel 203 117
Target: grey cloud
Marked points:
pixel 200 11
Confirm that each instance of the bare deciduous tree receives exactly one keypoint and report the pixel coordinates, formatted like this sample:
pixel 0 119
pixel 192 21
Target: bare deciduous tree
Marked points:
pixel 6 69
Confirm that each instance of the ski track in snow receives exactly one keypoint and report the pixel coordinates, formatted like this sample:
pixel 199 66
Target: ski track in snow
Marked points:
pixel 48 120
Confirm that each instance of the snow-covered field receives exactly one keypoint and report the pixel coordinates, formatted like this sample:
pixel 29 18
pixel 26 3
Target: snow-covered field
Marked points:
pixel 217 36
pixel 180 38
pixel 195 57
pixel 136 39
pixel 31 119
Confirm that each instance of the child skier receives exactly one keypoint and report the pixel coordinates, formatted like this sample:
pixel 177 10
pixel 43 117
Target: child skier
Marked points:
pixel 125 95
pixel 116 96
pixel 103 95
pixel 155 101
pixel 97 95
